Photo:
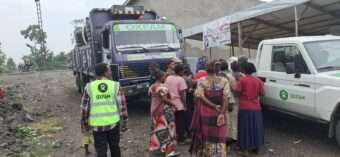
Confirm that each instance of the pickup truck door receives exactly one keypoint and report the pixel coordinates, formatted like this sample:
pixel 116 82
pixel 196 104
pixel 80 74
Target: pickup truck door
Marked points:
pixel 289 85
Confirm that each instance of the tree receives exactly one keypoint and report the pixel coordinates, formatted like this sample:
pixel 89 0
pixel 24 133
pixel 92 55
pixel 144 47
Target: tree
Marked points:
pixel 39 51
pixel 2 60
pixel 10 65
pixel 60 60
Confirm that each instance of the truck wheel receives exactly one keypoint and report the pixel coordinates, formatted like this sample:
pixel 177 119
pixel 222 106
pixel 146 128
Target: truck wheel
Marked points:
pixel 82 83
pixel 78 83
pixel 337 131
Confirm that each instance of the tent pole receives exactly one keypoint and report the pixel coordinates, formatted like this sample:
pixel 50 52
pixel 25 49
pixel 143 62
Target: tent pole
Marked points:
pixel 184 48
pixel 240 51
pixel 249 55
pixel 296 21
pixel 210 55
pixel 232 49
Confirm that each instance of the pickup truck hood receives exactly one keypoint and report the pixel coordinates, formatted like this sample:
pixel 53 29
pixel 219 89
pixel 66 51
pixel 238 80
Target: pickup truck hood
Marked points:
pixel 329 78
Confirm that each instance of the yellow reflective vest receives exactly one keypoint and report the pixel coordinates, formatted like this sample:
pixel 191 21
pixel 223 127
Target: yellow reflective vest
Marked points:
pixel 104 109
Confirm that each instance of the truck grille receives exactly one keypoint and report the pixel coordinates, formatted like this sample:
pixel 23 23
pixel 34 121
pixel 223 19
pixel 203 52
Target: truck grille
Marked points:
pixel 134 70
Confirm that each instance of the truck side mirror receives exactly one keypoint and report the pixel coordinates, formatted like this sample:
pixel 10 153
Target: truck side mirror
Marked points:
pixel 109 56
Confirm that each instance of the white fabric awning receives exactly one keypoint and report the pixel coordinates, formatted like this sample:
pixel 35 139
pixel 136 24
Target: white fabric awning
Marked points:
pixel 277 19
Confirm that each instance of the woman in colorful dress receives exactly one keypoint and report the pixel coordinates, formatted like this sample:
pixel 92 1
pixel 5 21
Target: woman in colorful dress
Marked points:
pixel 250 130
pixel 163 135
pixel 233 104
pixel 208 127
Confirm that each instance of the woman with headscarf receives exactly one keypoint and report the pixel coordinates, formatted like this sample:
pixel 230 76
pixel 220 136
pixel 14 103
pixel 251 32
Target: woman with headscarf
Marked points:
pixel 163 118
pixel 208 127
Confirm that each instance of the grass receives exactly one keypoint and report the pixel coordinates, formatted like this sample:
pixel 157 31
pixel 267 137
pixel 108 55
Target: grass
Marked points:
pixel 49 126
pixel 31 136
pixel 34 148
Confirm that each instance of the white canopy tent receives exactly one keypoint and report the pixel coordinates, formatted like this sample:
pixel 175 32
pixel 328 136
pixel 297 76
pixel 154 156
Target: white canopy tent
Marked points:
pixel 279 18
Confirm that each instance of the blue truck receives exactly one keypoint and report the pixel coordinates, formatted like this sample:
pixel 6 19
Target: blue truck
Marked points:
pixel 129 39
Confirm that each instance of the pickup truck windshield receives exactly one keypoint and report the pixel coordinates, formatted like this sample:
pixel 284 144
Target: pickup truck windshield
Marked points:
pixel 145 36
pixel 324 54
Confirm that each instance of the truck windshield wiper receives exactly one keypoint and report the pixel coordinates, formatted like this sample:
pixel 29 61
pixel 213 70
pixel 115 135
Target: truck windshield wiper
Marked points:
pixel 162 46
pixel 133 48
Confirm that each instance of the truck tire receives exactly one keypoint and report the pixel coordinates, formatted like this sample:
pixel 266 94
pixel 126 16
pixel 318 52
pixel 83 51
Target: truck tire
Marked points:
pixel 337 131
pixel 77 79
pixel 82 83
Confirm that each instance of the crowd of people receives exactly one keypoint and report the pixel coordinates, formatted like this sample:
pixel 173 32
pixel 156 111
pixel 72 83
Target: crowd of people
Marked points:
pixel 214 110
pixel 211 110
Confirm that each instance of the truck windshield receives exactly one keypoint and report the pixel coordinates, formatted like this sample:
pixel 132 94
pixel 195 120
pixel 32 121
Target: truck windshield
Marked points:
pixel 145 36
pixel 324 54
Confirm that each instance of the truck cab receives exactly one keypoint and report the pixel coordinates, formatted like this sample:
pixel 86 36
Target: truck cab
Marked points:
pixel 131 46
pixel 302 78
pixel 129 39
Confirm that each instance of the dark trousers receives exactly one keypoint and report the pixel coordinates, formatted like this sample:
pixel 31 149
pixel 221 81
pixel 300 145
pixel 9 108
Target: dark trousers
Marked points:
pixel 109 138
pixel 180 125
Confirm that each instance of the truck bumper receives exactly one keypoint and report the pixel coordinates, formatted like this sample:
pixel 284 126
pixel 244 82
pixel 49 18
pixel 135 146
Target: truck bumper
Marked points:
pixel 136 89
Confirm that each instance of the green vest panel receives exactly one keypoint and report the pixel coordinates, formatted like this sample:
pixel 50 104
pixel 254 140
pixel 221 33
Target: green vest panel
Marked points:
pixel 104 108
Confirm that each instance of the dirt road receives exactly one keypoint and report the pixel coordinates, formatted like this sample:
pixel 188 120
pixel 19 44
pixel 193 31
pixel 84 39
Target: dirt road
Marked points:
pixel 51 100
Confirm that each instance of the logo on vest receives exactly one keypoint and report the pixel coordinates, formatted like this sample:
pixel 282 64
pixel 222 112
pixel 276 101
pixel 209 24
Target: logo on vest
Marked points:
pixel 102 87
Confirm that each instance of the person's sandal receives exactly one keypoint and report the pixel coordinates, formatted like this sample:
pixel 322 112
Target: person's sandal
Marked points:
pixel 188 141
pixel 172 154
pixel 243 153
pixel 124 129
pixel 87 153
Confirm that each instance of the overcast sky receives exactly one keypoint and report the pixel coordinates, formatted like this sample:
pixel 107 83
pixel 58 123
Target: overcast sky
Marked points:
pixel 16 15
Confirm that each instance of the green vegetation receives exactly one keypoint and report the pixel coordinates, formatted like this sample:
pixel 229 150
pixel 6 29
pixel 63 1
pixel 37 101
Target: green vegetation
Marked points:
pixel 6 65
pixel 2 60
pixel 35 148
pixel 49 126
pixel 41 57
pixel 33 137
pixel 10 65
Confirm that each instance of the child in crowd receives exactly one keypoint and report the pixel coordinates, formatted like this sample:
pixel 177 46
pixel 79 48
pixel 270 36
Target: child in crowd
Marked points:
pixel 87 138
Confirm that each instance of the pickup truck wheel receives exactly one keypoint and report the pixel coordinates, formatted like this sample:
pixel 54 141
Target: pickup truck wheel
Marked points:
pixel 337 132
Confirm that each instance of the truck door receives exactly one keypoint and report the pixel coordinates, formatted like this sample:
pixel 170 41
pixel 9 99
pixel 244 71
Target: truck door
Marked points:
pixel 106 46
pixel 291 85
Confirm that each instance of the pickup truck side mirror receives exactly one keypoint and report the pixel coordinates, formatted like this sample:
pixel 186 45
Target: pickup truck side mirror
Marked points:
pixel 290 71
pixel 297 75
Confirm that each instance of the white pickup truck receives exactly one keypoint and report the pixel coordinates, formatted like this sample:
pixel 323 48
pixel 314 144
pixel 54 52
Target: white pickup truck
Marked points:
pixel 302 78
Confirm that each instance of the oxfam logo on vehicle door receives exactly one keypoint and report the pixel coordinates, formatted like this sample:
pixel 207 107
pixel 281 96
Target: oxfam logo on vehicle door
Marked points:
pixel 284 95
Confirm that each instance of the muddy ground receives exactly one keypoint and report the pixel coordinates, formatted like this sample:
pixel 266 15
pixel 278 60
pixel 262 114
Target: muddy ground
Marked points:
pixel 48 124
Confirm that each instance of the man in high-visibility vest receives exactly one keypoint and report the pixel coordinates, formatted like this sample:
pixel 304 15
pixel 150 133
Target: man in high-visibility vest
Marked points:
pixel 101 111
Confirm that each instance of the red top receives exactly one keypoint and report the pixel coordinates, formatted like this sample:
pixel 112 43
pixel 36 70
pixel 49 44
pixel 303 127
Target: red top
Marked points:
pixel 200 74
pixel 250 89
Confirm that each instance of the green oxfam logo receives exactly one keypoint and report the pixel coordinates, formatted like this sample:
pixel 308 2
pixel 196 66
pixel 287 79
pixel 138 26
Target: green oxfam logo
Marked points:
pixel 284 95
